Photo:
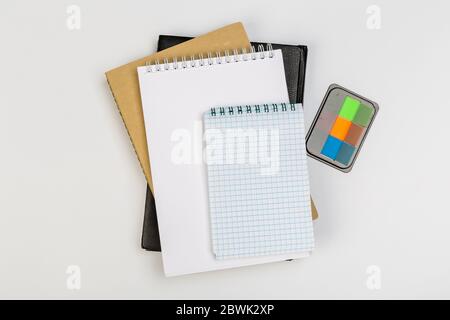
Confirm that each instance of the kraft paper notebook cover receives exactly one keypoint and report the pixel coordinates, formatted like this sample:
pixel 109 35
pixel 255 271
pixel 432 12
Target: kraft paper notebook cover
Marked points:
pixel 124 85
pixel 294 58
pixel 174 97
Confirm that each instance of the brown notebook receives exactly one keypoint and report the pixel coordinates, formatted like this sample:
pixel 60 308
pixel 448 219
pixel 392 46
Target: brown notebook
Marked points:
pixel 124 82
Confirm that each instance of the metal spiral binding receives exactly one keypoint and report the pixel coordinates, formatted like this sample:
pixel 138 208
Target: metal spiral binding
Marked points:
pixel 257 108
pixel 211 58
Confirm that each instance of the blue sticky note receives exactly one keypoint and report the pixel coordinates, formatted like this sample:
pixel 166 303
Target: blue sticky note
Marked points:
pixel 345 153
pixel 331 147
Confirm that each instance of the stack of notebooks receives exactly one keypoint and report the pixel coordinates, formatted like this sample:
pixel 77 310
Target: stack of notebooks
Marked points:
pixel 215 202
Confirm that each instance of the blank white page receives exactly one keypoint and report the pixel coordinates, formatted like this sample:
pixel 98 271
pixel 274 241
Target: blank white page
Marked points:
pixel 174 101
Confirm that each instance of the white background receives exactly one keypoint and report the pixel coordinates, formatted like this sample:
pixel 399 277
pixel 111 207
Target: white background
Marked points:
pixel 72 191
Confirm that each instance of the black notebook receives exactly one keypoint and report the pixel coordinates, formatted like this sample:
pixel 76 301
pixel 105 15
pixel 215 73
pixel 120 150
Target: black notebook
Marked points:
pixel 294 58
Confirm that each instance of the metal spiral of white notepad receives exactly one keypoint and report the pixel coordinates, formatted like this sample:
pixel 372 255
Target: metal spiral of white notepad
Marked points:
pixel 211 59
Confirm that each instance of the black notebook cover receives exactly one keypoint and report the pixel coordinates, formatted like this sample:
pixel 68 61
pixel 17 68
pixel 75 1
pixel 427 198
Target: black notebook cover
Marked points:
pixel 294 58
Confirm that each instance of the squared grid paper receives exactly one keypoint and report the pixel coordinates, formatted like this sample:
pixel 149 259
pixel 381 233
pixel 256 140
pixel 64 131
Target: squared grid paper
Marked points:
pixel 254 214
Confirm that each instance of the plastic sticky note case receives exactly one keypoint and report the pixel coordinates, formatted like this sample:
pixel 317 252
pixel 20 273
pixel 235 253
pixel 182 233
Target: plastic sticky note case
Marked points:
pixel 340 127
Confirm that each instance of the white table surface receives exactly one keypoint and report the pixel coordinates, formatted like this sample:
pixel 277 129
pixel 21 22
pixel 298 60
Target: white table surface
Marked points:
pixel 72 191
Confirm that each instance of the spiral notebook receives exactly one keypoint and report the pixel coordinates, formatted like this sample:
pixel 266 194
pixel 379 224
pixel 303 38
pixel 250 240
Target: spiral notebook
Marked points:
pixel 187 88
pixel 258 180
pixel 294 59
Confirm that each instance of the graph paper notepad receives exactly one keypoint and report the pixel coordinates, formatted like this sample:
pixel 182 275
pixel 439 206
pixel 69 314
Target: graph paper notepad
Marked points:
pixel 258 180
pixel 175 94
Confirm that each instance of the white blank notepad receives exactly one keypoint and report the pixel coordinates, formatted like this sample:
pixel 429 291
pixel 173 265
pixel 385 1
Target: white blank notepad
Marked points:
pixel 258 180
pixel 174 98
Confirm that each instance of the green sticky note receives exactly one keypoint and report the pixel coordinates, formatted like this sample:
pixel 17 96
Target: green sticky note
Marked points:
pixel 364 115
pixel 349 108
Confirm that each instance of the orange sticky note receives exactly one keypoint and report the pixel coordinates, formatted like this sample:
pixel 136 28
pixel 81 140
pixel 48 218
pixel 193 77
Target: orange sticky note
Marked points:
pixel 340 128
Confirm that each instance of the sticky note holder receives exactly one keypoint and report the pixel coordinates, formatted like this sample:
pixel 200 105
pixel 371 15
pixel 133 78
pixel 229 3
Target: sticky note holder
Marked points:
pixel 340 127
